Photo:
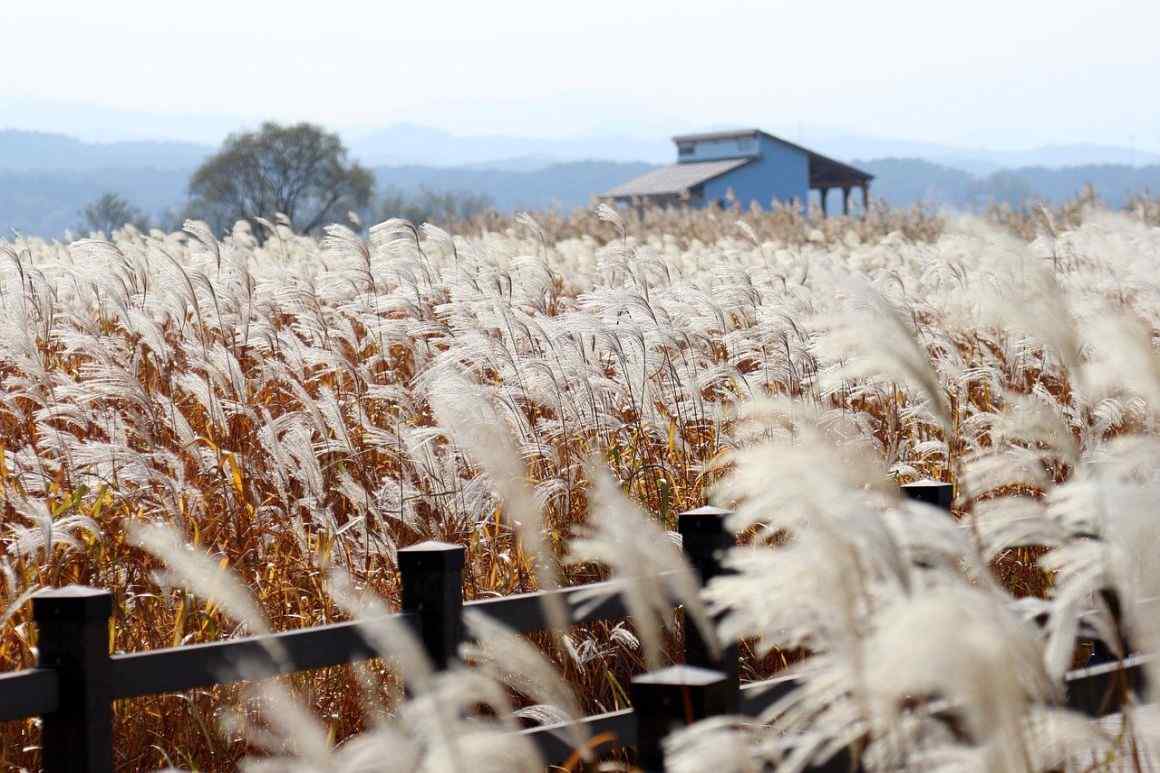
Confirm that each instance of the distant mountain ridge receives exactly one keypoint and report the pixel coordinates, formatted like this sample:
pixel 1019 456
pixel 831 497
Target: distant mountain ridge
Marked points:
pixel 561 186
pixel 906 181
pixel 49 202
pixel 407 144
pixel 47 179
pixel 25 151
pixel 979 162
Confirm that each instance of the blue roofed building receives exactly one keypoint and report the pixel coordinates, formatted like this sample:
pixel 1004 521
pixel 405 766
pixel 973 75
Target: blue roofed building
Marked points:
pixel 747 166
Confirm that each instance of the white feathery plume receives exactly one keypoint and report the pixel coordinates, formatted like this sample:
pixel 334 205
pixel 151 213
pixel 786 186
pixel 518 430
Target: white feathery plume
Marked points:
pixel 197 573
pixel 490 751
pixel 296 742
pixel 808 593
pixel 527 221
pixel 469 416
pixel 790 468
pixel 509 658
pixel 609 215
pixel 203 234
pixel 1121 356
pixel 872 338
pixel 293 729
pixel 46 531
pixel 1026 296
pixel 1112 527
pixel 974 653
pixel 648 570
pixel 390 637
pixel 719 744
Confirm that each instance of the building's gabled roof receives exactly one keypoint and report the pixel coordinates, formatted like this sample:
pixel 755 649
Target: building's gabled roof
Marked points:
pixel 824 171
pixel 675 179
pixel 725 135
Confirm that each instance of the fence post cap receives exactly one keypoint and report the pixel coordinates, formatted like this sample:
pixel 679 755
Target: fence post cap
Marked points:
pixel 72 602
pixel 707 518
pixel 433 554
pixel 675 697
pixel 707 510
pixel 932 492
pixel 682 676
pixel 925 482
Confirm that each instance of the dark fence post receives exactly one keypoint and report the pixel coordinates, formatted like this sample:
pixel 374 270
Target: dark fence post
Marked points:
pixel 1101 653
pixel 705 541
pixel 932 492
pixel 672 698
pixel 432 577
pixel 73 639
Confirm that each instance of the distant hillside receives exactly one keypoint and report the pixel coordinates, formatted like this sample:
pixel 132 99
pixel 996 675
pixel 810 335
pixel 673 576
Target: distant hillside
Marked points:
pixel 1115 183
pixel 39 198
pixel 978 161
pixel 901 182
pixel 1053 156
pixel 564 186
pixel 39 151
pixel 906 181
pixel 48 203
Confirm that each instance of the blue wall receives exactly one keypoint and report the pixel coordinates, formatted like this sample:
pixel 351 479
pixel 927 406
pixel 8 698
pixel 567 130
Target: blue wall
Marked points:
pixel 781 173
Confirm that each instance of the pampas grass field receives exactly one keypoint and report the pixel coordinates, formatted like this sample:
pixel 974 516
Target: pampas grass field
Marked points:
pixel 235 433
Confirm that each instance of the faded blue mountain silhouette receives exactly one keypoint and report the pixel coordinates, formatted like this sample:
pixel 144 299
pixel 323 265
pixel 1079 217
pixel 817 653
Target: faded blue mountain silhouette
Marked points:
pixel 47 179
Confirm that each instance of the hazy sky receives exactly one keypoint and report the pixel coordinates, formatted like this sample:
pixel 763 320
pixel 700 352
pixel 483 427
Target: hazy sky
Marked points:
pixel 1005 74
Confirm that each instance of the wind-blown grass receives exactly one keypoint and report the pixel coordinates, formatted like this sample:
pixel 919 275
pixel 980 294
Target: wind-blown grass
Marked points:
pixel 297 409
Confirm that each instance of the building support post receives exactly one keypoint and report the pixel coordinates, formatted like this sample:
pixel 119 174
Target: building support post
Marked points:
pixel 865 199
pixel 823 192
pixel 846 201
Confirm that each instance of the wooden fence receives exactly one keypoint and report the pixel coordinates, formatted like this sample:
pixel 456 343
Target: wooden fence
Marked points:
pixel 77 680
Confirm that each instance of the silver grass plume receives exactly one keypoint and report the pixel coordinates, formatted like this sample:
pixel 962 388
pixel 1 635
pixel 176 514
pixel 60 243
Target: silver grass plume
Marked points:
pixel 509 658
pixel 463 410
pixel 203 234
pixel 390 637
pixel 200 575
pixel 648 570
pixel 974 654
pixel 872 338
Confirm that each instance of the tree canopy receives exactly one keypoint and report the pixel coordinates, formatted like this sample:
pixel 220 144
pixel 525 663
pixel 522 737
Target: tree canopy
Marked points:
pixel 300 171
pixel 110 212
pixel 428 206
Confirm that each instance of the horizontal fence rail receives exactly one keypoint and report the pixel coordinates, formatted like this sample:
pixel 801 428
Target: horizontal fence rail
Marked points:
pixel 525 612
pixel 554 747
pixel 257 657
pixel 76 680
pixel 260 657
pixel 28 693
pixel 1095 691
pixel 1100 690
